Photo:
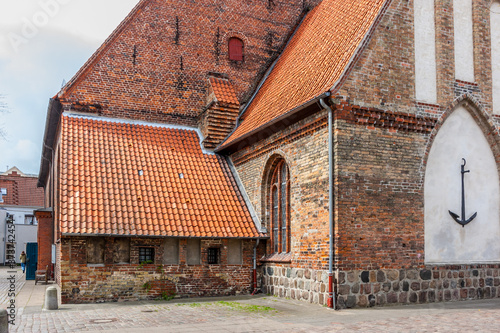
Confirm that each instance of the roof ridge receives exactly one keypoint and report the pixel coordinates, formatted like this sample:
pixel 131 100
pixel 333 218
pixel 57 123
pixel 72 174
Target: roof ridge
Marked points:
pixel 140 123
pixel 83 71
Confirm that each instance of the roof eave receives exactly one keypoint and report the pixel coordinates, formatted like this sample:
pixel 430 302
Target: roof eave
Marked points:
pixel 54 111
pixel 67 234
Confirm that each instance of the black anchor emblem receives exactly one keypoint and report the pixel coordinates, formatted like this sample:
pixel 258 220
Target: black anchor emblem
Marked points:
pixel 457 219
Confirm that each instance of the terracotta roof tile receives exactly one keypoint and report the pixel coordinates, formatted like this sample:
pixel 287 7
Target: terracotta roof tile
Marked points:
pixel 223 90
pixel 120 178
pixel 314 60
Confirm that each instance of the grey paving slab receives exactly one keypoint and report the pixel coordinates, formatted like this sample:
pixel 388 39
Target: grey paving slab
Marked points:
pixel 8 275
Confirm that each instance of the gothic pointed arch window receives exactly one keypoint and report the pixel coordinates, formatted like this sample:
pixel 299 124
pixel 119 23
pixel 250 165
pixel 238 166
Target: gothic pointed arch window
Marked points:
pixel 279 207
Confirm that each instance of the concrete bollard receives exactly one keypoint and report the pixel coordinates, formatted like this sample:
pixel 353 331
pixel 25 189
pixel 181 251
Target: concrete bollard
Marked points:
pixel 4 321
pixel 51 299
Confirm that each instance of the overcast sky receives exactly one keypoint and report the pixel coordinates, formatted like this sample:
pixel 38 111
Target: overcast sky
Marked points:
pixel 42 43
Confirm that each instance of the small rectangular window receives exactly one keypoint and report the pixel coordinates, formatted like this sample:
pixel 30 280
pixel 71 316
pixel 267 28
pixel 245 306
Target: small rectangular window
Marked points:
pixel 29 219
pixel 3 192
pixel 146 255
pixel 213 255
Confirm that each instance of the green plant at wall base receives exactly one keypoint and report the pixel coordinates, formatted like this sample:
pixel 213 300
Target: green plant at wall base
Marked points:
pixel 167 296
pixel 147 286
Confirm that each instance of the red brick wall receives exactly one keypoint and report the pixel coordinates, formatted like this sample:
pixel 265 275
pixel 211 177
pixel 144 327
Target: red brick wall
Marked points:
pixel 305 150
pixel 89 283
pixel 379 186
pixel 384 76
pixel 21 191
pixel 156 69
pixel 44 238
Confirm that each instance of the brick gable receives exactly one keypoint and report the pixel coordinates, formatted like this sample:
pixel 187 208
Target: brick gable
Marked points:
pixel 21 190
pixel 154 66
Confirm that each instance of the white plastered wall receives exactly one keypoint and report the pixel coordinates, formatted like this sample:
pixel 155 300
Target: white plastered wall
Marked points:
pixel 495 54
pixel 425 51
pixel 446 241
pixel 464 42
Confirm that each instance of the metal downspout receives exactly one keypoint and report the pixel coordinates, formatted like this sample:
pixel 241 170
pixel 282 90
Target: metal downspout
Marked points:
pixel 255 266
pixel 331 292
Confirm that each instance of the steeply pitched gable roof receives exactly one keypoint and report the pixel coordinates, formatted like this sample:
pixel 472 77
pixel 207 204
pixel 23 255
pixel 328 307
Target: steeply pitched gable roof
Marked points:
pixel 130 179
pixel 315 60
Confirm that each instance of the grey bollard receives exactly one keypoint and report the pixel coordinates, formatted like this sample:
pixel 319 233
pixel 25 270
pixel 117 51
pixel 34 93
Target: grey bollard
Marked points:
pixel 51 299
pixel 4 321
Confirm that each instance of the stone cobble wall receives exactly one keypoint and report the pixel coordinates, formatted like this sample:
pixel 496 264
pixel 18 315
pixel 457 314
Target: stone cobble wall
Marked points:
pixel 296 283
pixel 82 283
pixel 427 285
pixel 384 287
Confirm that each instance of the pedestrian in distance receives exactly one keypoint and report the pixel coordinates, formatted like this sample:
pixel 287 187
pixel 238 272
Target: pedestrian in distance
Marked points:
pixel 23 260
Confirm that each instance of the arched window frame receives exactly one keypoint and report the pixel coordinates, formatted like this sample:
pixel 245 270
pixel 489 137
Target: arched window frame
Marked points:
pixel 235 49
pixel 279 207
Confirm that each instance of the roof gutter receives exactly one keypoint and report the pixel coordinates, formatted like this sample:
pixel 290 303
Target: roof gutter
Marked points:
pixel 68 234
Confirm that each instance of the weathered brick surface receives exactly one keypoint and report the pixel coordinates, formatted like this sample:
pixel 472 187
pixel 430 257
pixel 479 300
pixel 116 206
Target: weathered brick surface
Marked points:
pixel 82 283
pixel 379 196
pixel 156 67
pixel 382 138
pixel 303 146
pixel 384 75
pixel 21 190
pixel 45 239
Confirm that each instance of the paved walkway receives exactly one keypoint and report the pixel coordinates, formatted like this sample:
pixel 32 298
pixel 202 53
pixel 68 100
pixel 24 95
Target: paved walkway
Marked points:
pixel 246 314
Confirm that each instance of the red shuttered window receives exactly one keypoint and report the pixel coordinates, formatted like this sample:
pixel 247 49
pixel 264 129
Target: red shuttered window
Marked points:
pixel 235 49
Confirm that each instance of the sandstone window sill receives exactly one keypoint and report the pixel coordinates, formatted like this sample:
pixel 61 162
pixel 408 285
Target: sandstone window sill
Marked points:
pixel 96 265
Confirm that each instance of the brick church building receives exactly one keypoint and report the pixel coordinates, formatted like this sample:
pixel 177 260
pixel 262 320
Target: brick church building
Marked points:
pixel 341 152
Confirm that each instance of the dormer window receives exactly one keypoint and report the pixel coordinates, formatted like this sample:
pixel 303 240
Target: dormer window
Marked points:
pixel 235 49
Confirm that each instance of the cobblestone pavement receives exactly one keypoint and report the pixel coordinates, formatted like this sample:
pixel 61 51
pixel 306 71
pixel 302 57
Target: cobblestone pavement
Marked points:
pixel 6 285
pixel 259 314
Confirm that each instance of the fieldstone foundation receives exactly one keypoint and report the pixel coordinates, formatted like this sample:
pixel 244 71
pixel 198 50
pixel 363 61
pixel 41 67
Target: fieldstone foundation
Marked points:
pixel 296 283
pixel 384 287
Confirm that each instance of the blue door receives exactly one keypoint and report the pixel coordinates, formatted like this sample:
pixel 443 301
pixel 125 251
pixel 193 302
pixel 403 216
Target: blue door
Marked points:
pixel 32 260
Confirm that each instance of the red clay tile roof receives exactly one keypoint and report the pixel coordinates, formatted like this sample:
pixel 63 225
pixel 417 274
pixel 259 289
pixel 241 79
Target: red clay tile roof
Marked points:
pixel 314 61
pixel 223 90
pixel 129 179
